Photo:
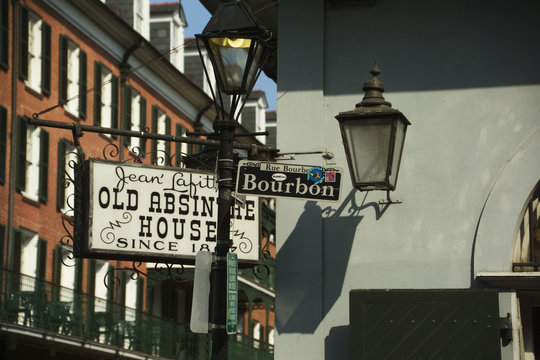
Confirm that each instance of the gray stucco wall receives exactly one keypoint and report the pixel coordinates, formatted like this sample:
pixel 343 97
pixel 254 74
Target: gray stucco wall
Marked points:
pixel 466 75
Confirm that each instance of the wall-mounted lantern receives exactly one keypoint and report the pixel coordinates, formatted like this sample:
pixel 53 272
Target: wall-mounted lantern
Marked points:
pixel 373 136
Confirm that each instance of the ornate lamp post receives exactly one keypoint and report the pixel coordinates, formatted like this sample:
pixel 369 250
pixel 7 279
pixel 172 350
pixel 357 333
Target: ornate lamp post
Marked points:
pixel 237 48
pixel 373 136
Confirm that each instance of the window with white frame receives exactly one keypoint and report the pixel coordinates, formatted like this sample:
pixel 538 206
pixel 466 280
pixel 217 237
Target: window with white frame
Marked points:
pixel 177 39
pixel 134 118
pixel 130 298
pixel 257 330
pixel 33 138
pixel 100 287
pixel 32 161
pixel 29 252
pixel 161 129
pixel 34 51
pixel 141 14
pixel 72 77
pixel 105 97
pixel 67 275
pixel 271 337
pixel 161 124
pixel 181 148
pixel 73 80
pixel 174 44
pixel 138 16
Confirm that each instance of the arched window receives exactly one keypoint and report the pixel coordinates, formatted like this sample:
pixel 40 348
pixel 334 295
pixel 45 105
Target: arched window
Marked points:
pixel 527 259
pixel 527 248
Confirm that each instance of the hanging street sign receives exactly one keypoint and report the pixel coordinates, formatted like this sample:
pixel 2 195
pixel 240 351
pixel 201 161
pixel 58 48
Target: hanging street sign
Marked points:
pixel 287 180
pixel 156 213
pixel 232 293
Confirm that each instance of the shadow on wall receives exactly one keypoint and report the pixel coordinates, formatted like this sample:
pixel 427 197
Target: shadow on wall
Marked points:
pixel 336 344
pixel 311 265
pixel 420 45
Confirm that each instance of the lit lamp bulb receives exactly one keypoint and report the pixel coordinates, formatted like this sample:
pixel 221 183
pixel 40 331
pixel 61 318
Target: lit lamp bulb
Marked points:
pixel 231 57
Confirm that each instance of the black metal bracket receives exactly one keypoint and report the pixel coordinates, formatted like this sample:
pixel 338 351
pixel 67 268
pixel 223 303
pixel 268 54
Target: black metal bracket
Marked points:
pixel 327 155
pixel 78 130
pixel 389 200
pixel 216 135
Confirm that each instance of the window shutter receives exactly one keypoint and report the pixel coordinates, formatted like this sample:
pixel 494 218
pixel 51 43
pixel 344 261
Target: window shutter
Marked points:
pixel 97 93
pixel 121 297
pixel 21 153
pixel 91 277
pixel 3 144
pixel 45 58
pixel 61 176
pixel 4 33
pixel 154 130
pixel 44 166
pixel 168 143
pixel 114 103
pixel 2 244
pixel 63 63
pixel 15 250
pixel 14 260
pixel 57 268
pixel 78 275
pixel 142 103
pixel 110 288
pixel 140 294
pixel 41 259
pixel 178 150
pixel 150 288
pixel 90 290
pixel 82 84
pixel 23 42
pixel 126 112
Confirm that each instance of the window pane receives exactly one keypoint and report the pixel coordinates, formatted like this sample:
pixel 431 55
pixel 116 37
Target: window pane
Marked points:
pixel 135 118
pixel 31 189
pixel 34 52
pixel 106 96
pixel 369 146
pixel 73 78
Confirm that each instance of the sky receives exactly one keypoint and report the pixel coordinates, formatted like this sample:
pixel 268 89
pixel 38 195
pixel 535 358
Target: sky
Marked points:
pixel 197 17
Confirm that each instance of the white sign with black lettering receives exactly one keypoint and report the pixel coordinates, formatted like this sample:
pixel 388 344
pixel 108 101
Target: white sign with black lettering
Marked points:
pixel 155 213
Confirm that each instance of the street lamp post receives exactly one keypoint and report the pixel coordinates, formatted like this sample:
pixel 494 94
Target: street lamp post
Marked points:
pixel 237 47
pixel 373 136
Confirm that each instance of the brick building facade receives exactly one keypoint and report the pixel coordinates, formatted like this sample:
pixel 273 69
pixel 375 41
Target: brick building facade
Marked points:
pixel 80 63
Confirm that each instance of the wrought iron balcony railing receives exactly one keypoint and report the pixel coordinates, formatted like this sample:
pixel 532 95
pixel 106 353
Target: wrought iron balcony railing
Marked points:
pixel 28 302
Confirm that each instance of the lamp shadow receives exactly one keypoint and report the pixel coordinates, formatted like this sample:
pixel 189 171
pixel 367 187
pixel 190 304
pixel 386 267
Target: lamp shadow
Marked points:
pixel 312 263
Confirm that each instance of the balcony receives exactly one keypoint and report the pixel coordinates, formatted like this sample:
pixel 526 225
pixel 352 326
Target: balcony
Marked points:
pixel 26 303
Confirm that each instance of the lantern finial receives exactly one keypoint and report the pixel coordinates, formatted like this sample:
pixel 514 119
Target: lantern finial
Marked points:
pixel 373 90
pixel 375 69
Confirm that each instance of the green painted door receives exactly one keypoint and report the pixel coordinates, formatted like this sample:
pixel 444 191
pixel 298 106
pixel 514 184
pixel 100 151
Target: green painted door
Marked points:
pixel 424 324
